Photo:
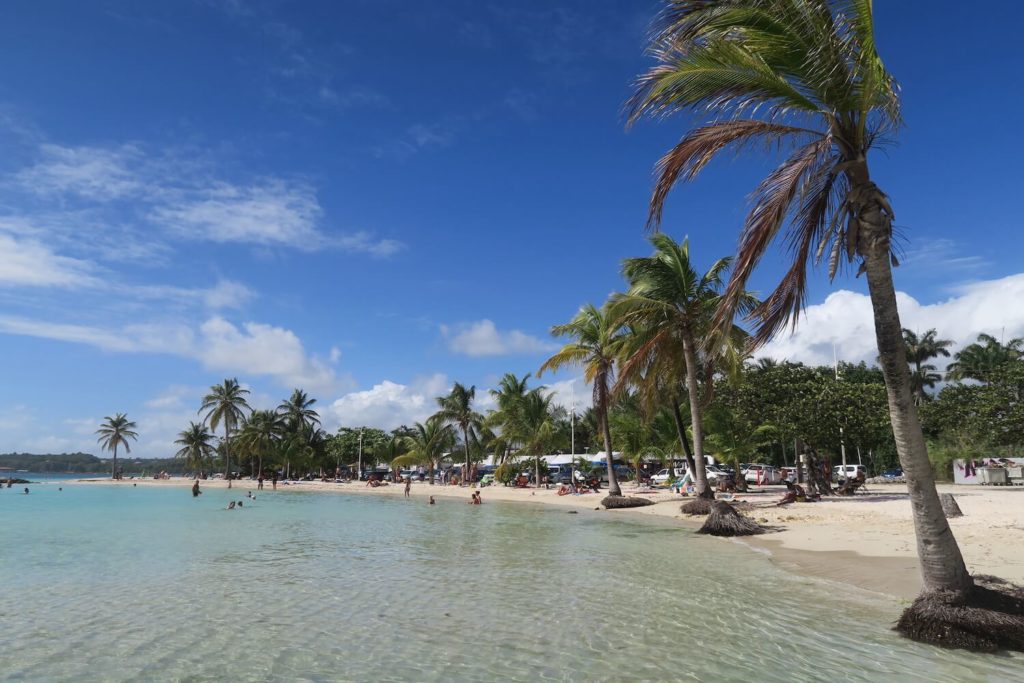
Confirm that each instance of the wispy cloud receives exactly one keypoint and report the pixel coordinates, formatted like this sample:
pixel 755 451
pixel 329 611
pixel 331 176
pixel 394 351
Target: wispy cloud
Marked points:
pixel 121 192
pixel 251 348
pixel 31 263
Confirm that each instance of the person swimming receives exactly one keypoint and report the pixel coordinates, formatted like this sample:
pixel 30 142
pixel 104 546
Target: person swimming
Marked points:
pixel 231 505
pixel 431 501
pixel 239 503
pixel 26 490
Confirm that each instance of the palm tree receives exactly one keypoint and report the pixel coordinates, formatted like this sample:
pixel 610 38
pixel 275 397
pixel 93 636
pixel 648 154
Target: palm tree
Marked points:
pixel 428 443
pixel 803 74
pixel 457 410
pixel 196 446
pixel 672 307
pixel 978 361
pixel 535 427
pixel 225 404
pixel 261 433
pixel 115 431
pixel 298 410
pixel 920 350
pixel 596 338
pixel 509 397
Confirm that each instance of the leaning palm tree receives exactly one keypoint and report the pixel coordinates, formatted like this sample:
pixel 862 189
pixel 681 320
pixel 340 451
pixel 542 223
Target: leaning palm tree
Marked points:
pixel 225 404
pixel 196 447
pixel 457 410
pixel 115 431
pixel 596 338
pixel 920 350
pixel 673 306
pixel 805 75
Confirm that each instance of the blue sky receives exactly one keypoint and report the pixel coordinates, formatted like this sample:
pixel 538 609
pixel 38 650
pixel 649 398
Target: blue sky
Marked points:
pixel 372 199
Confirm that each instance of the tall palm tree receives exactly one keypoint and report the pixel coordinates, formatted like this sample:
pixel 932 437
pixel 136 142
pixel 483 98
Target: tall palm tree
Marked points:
pixel 428 443
pixel 196 446
pixel 920 350
pixel 457 410
pixel 802 74
pixel 261 432
pixel 225 404
pixel 298 410
pixel 115 431
pixel 674 305
pixel 596 337
pixel 978 361
pixel 535 427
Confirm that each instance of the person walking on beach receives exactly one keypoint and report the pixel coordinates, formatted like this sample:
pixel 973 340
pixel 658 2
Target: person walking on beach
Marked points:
pixel 195 489
pixel 259 482
pixel 273 479
pixel 408 485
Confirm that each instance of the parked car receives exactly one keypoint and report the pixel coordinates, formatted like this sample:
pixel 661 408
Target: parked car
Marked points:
pixel 894 473
pixel 756 473
pixel 850 472
pixel 663 475
pixel 560 474
pixel 788 474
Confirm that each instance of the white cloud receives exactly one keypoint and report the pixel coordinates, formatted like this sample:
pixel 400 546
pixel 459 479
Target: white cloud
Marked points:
pixel 482 338
pixel 257 348
pixel 28 262
pixel 845 319
pixel 253 349
pixel 570 391
pixel 388 404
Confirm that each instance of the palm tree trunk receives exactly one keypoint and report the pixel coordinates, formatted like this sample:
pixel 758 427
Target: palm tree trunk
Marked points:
pixel 227 453
pixel 942 565
pixel 465 440
pixel 113 467
pixel 681 430
pixel 602 390
pixel 700 475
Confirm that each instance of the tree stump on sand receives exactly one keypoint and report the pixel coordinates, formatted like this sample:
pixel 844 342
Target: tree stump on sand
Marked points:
pixel 725 521
pixel 616 502
pixel 988 618
pixel 949 505
pixel 697 506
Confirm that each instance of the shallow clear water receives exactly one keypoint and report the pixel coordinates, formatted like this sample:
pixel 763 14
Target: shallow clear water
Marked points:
pixel 125 584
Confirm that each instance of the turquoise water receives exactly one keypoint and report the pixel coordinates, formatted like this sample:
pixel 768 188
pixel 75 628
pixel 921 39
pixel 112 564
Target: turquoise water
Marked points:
pixel 149 584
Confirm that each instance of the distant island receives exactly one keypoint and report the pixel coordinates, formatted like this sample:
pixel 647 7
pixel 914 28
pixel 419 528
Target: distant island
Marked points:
pixel 84 463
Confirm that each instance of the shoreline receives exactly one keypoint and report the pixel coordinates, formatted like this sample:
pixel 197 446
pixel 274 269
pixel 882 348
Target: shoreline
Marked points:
pixel 866 541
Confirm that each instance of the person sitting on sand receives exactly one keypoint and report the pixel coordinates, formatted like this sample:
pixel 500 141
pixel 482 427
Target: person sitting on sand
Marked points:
pixel 564 490
pixel 431 501
pixel 231 505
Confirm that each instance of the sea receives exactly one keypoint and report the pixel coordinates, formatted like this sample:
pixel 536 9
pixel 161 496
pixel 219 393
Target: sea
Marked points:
pixel 123 583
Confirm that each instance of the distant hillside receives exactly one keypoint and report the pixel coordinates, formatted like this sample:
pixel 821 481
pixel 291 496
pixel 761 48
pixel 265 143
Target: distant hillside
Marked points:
pixel 85 462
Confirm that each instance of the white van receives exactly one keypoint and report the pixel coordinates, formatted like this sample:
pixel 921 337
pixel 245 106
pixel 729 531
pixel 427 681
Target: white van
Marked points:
pixel 851 472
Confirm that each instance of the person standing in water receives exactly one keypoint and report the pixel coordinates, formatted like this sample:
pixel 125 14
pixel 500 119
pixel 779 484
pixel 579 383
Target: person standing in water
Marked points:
pixel 408 485
pixel 195 489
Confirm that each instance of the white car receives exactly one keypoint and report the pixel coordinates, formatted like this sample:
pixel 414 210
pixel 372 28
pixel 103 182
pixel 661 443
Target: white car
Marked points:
pixel 851 472
pixel 756 473
pixel 663 475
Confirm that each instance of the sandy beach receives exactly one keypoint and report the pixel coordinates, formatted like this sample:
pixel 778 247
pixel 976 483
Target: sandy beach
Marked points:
pixel 866 541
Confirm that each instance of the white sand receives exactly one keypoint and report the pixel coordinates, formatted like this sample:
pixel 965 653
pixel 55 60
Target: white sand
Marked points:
pixel 867 540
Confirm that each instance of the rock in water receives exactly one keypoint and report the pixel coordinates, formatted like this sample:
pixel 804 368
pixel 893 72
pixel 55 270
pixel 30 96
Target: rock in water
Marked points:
pixel 725 521
pixel 615 502
pixel 949 505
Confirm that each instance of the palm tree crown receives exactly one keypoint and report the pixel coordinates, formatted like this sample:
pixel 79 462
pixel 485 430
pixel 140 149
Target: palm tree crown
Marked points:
pixel 596 338
pixel 196 445
pixel 298 410
pixel 225 404
pixel 457 409
pixel 782 73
